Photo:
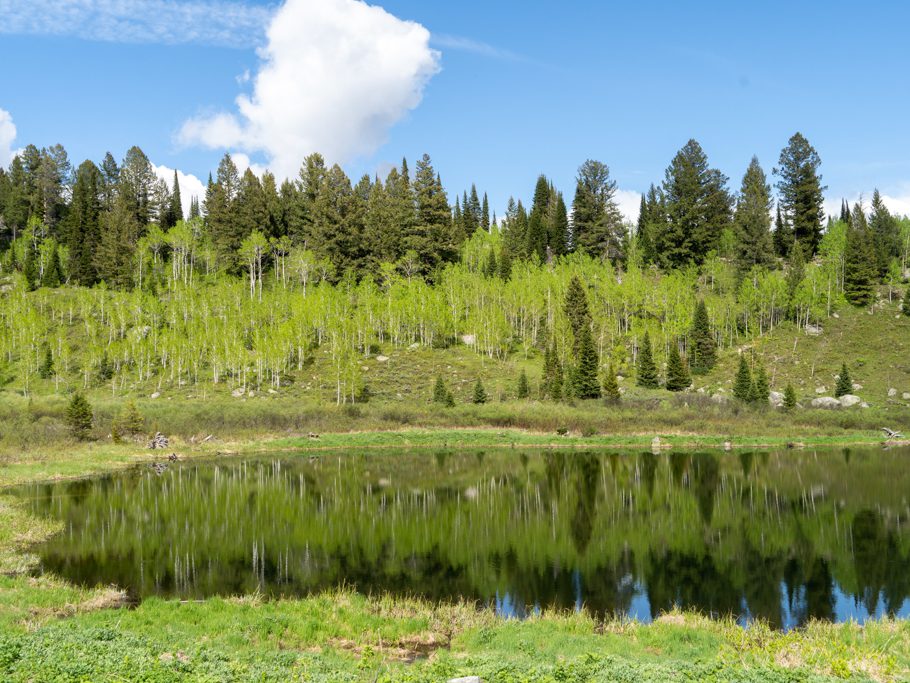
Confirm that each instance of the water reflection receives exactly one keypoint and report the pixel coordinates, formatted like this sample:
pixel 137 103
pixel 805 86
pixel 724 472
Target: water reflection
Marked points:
pixel 782 536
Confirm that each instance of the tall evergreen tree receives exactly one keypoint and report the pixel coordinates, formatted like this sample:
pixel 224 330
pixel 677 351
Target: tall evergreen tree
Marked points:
pixel 885 234
pixel 515 229
pixel 752 220
pixel 577 311
pixel 844 384
pixel 789 397
pixel 136 186
pixel 647 368
pixel 83 229
pixel 783 236
pixel 859 261
pixel 801 192
pixel 652 222
pixel 485 213
pixel 220 210
pixel 557 225
pixel 537 221
pixel 844 211
pixel 742 385
pixel 597 225
pixel 79 416
pixel 113 257
pixel 678 378
pixel 611 386
pixel 523 390
pixel 480 395
pixel 698 207
pixel 431 237
pixel 762 388
pixel 174 210
pixel 585 382
pixel 703 346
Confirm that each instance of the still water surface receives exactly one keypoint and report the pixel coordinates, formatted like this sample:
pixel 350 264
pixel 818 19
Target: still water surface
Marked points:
pixel 782 536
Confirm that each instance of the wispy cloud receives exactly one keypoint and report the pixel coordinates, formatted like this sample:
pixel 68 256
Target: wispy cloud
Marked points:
pixel 223 23
pixel 446 41
pixel 7 136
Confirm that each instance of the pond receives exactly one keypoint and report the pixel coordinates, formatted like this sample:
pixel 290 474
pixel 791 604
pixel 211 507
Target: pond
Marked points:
pixel 783 536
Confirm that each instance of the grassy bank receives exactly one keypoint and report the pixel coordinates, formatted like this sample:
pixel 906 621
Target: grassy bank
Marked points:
pixel 50 630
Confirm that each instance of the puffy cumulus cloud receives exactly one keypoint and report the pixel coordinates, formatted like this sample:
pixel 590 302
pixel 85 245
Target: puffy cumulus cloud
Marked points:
pixel 335 76
pixel 7 136
pixel 629 203
pixel 897 199
pixel 190 185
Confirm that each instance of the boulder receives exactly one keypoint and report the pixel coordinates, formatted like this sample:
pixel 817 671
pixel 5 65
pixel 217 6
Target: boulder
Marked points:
pixel 414 346
pixel 849 400
pixel 382 359
pixel 814 330
pixel 892 392
pixel 906 396
pixel 466 679
pixel 237 393
pixel 719 399
pixel 825 402
pixel 468 339
pixel 821 390
pixel 776 399
pixel 856 385
pixel 157 394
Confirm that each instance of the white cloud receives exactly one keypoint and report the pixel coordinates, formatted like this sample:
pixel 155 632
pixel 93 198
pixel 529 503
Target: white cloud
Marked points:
pixel 629 203
pixel 7 135
pixel 336 75
pixel 224 23
pixel 897 200
pixel 474 46
pixel 190 185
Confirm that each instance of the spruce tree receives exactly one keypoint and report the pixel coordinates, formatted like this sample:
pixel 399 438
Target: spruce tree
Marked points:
pixel 678 378
pixel 844 384
pixel 131 421
pixel 585 383
pixel 440 393
pixel 742 385
pixel 597 225
pixel 801 192
pixel 703 348
pixel 577 312
pixel 752 220
pixel 46 368
pixel 859 261
pixel 79 417
pixel 83 222
pixel 647 369
pixel 906 303
pixel 795 274
pixel 762 391
pixel 480 394
pixel 537 221
pixel 485 214
pixel 523 389
pixel 783 236
pixel 611 386
pixel 885 234
pixel 789 397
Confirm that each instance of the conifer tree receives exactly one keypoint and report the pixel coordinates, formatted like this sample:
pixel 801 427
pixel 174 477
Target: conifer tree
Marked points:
pixel 703 347
pixel 480 394
pixel 611 386
pixel 795 274
pixel 432 236
pixel 557 225
pixel 82 224
pixel 597 225
pixel 440 393
pixel 52 276
pixel 752 220
pixel 859 261
pixel 79 417
pixel 46 369
pixel 678 378
pixel 844 211
pixel 783 236
pixel 885 234
pixel 906 303
pixel 585 383
pixel 485 213
pixel 789 397
pixel 742 385
pixel 647 368
pixel 131 421
pixel 762 392
pixel 523 390
pixel 577 312
pixel 537 221
pixel 652 223
pixel 801 192
pixel 505 263
pixel 844 384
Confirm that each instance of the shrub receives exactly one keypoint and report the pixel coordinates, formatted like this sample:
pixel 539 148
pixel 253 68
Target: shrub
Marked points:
pixel 79 416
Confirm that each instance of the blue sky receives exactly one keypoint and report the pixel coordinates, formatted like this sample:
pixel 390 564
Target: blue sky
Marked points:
pixel 496 93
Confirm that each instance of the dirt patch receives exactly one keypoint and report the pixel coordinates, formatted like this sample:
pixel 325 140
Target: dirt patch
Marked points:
pixel 110 598
pixel 674 619
pixel 406 650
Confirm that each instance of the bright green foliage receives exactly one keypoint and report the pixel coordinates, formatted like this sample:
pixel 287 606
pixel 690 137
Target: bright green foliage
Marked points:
pixel 789 397
pixel 702 345
pixel 46 369
pixel 796 272
pixel 801 192
pixel 611 386
pixel 585 382
pixel 761 387
pixel 678 378
pixel 742 385
pixel 523 389
pixel 844 384
pixel 597 224
pixel 480 395
pixel 859 261
pixel 698 208
pixel 647 368
pixel 79 417
pixel 752 220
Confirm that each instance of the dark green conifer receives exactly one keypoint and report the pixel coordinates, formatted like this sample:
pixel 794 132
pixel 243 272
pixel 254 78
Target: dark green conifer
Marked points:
pixel 585 383
pixel 79 417
pixel 752 220
pixel 859 261
pixel 647 369
pixel 703 347
pixel 789 397
pixel 46 369
pixel 906 303
pixel 742 385
pixel 440 393
pixel 795 273
pixel 577 312
pixel 480 394
pixel 523 390
pixel 801 192
pixel 678 378
pixel 762 390
pixel 131 421
pixel 611 386
pixel 844 384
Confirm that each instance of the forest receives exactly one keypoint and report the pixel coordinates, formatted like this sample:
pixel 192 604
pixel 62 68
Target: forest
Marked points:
pixel 107 282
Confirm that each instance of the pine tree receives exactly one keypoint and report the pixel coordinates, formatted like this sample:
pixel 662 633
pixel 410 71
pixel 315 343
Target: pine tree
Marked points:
pixel 783 236
pixel 885 234
pixel 79 417
pixel 523 390
pixel 551 385
pixel 795 274
pixel 597 225
pixel 585 383
pixel 742 385
pixel 652 223
pixel 698 208
pixel 46 369
pixel 789 397
pixel 762 391
pixel 557 225
pixel 577 312
pixel 647 369
pixel 131 421
pixel 485 213
pixel 480 395
pixel 83 222
pixel 52 276
pixel 678 378
pixel 844 384
pixel 611 386
pixel 906 303
pixel 440 393
pixel 431 236
pixel 801 192
pixel 844 211
pixel 537 221
pixel 859 261
pixel 30 268
pixel 703 347
pixel 752 220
